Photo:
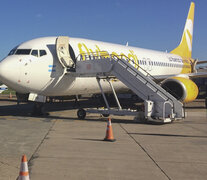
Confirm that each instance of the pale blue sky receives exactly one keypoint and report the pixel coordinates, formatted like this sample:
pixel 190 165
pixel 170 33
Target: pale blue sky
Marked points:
pixel 153 24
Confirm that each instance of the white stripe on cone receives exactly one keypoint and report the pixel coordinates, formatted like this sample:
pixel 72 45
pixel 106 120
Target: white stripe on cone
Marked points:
pixel 24 172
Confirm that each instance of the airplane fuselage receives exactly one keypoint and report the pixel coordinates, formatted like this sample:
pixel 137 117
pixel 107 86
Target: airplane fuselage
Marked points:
pixel 33 67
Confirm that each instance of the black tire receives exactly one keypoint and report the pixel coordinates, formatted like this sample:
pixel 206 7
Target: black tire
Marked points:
pixel 105 115
pixel 135 97
pixel 38 109
pixel 81 113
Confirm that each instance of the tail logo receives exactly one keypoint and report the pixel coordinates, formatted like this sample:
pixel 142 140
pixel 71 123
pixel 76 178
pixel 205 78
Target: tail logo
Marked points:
pixel 189 33
pixel 185 47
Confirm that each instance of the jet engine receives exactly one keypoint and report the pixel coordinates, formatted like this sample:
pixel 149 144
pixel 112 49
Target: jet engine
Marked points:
pixel 181 88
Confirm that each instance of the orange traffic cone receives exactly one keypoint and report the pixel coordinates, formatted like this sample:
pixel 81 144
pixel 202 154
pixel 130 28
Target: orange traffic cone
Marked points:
pixel 24 173
pixel 109 132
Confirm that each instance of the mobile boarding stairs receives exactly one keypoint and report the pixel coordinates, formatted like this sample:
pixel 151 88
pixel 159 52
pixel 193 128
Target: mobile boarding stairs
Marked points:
pixel 160 106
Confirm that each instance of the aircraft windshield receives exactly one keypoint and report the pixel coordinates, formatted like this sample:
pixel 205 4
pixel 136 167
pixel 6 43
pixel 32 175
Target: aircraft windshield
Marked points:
pixel 34 52
pixel 23 51
pixel 12 51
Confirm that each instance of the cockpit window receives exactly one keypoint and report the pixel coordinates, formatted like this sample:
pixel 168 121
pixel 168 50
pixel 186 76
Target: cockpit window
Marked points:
pixel 34 53
pixel 42 53
pixel 23 51
pixel 12 51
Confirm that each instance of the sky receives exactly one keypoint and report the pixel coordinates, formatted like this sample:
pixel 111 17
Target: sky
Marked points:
pixel 152 24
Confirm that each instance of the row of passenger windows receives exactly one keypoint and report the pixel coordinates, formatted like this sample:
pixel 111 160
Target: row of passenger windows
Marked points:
pixel 34 52
pixel 155 63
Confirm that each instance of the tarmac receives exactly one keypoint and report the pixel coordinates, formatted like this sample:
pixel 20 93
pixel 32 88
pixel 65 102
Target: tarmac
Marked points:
pixel 59 146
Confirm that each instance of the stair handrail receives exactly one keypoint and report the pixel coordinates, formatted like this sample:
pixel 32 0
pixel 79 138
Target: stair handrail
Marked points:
pixel 148 74
pixel 136 65
pixel 93 55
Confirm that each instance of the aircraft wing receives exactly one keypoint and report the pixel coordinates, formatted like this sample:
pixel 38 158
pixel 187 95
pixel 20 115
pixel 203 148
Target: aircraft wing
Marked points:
pixel 197 75
pixel 201 62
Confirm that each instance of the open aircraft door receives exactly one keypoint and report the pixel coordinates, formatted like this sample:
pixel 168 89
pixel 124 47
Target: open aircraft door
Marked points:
pixel 62 49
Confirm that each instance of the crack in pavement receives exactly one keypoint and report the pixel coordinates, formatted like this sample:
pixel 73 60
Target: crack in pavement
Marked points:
pixel 145 151
pixel 36 150
pixel 45 137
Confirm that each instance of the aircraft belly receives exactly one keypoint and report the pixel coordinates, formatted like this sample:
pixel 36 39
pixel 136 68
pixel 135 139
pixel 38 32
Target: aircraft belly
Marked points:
pixel 90 86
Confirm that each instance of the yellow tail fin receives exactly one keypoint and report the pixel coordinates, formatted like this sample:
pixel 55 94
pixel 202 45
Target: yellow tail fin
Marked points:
pixel 185 47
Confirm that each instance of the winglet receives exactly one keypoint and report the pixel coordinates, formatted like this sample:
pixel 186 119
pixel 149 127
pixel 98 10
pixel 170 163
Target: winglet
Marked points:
pixel 185 47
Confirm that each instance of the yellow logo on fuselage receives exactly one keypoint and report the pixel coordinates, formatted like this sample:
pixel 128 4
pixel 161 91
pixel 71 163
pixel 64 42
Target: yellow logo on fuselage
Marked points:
pixel 83 49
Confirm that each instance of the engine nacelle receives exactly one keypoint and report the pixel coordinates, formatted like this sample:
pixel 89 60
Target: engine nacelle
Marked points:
pixel 181 88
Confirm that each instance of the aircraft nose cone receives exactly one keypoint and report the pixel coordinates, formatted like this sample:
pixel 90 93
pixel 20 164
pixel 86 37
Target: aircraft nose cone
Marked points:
pixel 9 71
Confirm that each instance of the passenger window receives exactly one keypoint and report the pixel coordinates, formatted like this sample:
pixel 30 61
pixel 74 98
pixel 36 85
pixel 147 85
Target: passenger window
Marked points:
pixel 34 53
pixel 42 53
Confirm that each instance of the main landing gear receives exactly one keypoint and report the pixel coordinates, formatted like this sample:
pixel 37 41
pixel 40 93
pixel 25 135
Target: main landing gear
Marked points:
pixel 38 109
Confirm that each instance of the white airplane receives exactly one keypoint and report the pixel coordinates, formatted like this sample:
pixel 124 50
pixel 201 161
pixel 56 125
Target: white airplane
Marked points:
pixel 33 68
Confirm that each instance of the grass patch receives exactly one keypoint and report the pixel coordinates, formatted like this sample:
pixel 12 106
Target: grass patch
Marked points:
pixel 9 91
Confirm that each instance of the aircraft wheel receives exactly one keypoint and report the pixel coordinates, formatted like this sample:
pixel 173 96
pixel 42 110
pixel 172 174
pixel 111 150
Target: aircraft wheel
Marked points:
pixel 134 97
pixel 38 109
pixel 81 113
pixel 105 115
